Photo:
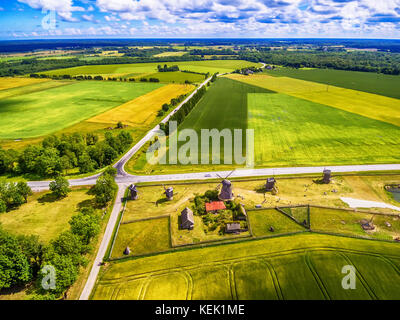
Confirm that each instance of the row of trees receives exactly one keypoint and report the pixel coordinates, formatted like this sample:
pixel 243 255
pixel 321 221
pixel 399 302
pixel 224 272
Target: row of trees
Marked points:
pixel 13 195
pixel 59 154
pixel 180 115
pixel 173 103
pixel 22 257
pixel 387 63
pixel 167 69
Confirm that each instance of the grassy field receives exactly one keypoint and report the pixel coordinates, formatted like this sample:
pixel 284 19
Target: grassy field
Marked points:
pixel 8 83
pixel 262 220
pixel 44 112
pixel 170 54
pixel 348 222
pixel 143 110
pixel 175 77
pixel 45 216
pixel 142 237
pixel 290 131
pixel 305 266
pixel 366 104
pixel 382 84
pixel 213 66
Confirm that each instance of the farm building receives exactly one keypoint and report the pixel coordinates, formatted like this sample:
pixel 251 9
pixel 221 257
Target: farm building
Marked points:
pixel 187 219
pixel 232 228
pixel 215 206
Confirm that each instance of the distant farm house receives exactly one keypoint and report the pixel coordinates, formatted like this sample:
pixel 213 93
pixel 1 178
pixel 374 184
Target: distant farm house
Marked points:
pixel 215 206
pixel 232 228
pixel 187 219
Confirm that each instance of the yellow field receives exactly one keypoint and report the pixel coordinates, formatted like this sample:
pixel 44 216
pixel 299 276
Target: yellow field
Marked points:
pixel 8 83
pixel 170 54
pixel 143 110
pixel 366 104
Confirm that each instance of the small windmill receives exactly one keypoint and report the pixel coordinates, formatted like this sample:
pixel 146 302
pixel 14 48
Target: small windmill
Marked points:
pixel 226 193
pixel 134 192
pixel 327 176
pixel 169 193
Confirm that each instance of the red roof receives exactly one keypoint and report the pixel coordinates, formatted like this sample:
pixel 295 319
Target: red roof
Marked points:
pixel 215 206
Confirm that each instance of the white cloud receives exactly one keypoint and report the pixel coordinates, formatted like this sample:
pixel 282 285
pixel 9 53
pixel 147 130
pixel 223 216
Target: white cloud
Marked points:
pixel 64 8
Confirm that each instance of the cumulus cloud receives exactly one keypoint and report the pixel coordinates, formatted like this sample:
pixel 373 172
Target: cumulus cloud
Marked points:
pixel 265 18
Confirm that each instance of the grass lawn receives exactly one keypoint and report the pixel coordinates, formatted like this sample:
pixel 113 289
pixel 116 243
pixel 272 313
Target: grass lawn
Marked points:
pixel 143 110
pixel 382 84
pixel 44 112
pixel 211 66
pixel 142 237
pixel 305 266
pixel 366 104
pixel 45 216
pixel 262 220
pixel 348 222
pixel 175 77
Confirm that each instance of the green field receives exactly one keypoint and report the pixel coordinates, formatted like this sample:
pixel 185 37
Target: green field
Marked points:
pixel 385 85
pixel 261 220
pixel 305 266
pixel 44 215
pixel 289 131
pixel 142 237
pixel 175 77
pixel 46 111
pixel 213 66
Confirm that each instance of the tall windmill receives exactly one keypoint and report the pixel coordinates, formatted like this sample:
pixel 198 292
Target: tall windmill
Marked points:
pixel 226 193
pixel 134 192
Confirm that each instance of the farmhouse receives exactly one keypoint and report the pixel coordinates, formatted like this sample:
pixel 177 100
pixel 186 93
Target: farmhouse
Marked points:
pixel 232 228
pixel 187 220
pixel 215 206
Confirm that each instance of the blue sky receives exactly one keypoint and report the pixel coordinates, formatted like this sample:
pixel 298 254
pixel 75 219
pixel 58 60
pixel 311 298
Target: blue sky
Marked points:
pixel 38 19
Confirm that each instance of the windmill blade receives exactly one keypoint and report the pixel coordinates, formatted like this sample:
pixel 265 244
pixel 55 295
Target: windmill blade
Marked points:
pixel 219 176
pixel 218 186
pixel 229 174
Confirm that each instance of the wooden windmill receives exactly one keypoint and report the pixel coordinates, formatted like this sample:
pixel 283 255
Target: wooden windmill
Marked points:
pixel 133 192
pixel 169 193
pixel 226 193
pixel 327 176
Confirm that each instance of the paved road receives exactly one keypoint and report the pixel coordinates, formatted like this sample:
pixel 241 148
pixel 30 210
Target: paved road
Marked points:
pixel 91 281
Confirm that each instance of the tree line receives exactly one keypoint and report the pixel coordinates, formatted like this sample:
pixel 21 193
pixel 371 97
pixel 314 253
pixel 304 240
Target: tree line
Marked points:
pixel 55 155
pixel 23 257
pixel 387 63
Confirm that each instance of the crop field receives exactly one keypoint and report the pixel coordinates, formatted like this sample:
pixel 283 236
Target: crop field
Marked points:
pixel 290 130
pixel 143 110
pixel 381 84
pixel 170 54
pixel 8 83
pixel 175 77
pixel 45 216
pixel 213 66
pixel 142 237
pixel 303 266
pixel 44 112
pixel 366 104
